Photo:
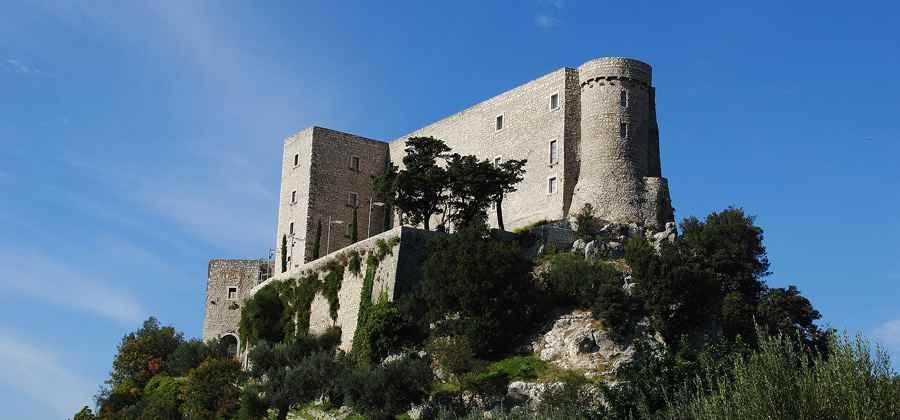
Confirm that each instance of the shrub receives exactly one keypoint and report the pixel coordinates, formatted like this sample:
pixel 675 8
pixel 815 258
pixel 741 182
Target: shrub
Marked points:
pixel 385 391
pixel 452 354
pixel 263 317
pixel 479 288
pixel 212 389
pixel 587 226
pixel 780 382
pixel 385 331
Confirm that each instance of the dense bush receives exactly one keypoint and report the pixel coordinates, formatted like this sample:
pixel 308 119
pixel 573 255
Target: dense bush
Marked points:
pixel 385 332
pixel 479 288
pixel 262 317
pixel 212 389
pixel 387 390
pixel 780 382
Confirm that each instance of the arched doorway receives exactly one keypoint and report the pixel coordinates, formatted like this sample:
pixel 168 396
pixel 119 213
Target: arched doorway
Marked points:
pixel 231 343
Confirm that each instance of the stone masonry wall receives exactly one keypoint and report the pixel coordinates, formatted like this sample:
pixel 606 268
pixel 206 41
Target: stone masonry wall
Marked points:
pixel 529 124
pixel 396 274
pixel 222 313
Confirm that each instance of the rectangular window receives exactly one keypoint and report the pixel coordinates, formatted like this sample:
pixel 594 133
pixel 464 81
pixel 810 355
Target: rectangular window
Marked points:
pixel 623 131
pixel 294 197
pixel 499 125
pixel 354 163
pixel 353 199
pixel 291 229
pixel 553 154
pixel 554 101
pixel 296 160
pixel 623 99
pixel 349 232
pixel 551 185
pixel 232 293
pixel 498 160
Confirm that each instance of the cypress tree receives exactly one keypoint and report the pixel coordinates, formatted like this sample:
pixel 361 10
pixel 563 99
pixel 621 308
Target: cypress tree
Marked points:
pixel 283 253
pixel 354 227
pixel 318 243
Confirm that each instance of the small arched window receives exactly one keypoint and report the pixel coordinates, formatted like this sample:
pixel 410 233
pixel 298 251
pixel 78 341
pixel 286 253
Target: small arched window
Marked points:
pixel 623 98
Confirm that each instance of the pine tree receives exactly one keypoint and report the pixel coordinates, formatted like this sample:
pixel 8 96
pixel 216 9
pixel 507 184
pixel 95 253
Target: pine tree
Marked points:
pixel 318 243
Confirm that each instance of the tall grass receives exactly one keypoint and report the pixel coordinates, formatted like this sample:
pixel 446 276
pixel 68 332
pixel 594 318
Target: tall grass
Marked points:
pixel 780 382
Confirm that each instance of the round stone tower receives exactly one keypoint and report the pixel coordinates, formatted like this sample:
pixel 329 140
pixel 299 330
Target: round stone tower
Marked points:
pixel 619 141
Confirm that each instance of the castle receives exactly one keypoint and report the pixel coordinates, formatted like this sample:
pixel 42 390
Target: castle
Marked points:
pixel 589 134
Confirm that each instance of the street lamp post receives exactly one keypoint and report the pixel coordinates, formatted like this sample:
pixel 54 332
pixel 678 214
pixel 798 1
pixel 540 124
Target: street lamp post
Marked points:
pixel 369 220
pixel 328 242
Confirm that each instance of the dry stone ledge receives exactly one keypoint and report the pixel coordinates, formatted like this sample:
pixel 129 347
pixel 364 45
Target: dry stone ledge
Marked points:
pixel 575 341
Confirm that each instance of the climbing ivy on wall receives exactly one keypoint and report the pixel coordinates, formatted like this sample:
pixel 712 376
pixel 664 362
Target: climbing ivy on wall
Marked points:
pixel 361 350
pixel 332 286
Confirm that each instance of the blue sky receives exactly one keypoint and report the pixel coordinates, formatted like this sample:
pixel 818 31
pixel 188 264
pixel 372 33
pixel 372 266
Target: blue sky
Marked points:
pixel 138 141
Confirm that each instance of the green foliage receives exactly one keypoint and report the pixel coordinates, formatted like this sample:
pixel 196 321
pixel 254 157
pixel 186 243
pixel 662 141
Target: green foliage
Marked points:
pixel 354 225
pixel 299 295
pixel 520 368
pixel 452 354
pixel 477 287
pixel 263 317
pixel 587 226
pixel 506 176
pixel 361 351
pixel 384 331
pixel 421 184
pixel 161 399
pixel 471 186
pixel 143 353
pixel 780 382
pixel 284 262
pixel 212 389
pixel 191 353
pixel 354 262
pixel 332 286
pixel 384 391
pixel 292 373
pixel 84 414
pixel 317 243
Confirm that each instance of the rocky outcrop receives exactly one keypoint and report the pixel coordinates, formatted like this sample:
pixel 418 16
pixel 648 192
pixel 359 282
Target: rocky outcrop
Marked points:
pixel 575 341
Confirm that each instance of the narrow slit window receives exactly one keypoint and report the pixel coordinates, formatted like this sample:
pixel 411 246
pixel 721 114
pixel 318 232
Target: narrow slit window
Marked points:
pixel 554 101
pixel 293 196
pixel 352 199
pixel 296 160
pixel 499 124
pixel 354 163
pixel 291 229
pixel 623 131
pixel 498 160
pixel 551 185
pixel 553 153
pixel 623 98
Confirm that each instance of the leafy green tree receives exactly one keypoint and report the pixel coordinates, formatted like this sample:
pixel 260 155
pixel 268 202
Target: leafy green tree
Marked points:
pixel 587 226
pixel 385 391
pixel 191 353
pixel 354 225
pixel 471 184
pixel 787 312
pixel 508 175
pixel 421 184
pixel 143 353
pixel 84 414
pixel 262 317
pixel 212 390
pixel 161 399
pixel 284 263
pixel 317 244
pixel 290 373
pixel 477 287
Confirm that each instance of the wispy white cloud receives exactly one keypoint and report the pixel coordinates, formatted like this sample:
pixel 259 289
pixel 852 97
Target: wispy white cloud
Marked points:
pixel 17 66
pixel 40 276
pixel 888 334
pixel 34 371
pixel 544 21
pixel 553 3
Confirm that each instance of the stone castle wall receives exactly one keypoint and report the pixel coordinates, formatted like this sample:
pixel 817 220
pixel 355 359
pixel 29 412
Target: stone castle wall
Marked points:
pixel 396 274
pixel 323 181
pixel 223 312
